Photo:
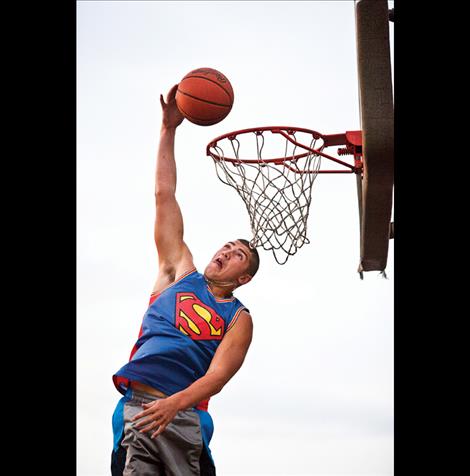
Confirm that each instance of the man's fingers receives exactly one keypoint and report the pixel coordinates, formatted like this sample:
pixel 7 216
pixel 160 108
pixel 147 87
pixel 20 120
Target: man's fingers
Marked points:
pixel 162 101
pixel 146 412
pixel 148 405
pixel 172 93
pixel 144 422
pixel 152 426
pixel 136 417
pixel 160 430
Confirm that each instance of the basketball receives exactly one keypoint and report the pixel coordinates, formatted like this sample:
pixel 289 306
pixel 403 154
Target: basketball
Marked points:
pixel 204 96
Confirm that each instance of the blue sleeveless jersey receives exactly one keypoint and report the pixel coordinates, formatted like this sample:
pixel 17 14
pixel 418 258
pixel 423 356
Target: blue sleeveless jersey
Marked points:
pixel 180 333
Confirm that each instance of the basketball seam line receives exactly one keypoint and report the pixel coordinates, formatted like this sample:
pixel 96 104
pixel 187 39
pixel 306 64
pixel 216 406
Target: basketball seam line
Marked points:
pixel 204 100
pixel 197 118
pixel 212 81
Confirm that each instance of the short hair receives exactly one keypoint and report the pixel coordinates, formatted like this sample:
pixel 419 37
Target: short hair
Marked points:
pixel 254 257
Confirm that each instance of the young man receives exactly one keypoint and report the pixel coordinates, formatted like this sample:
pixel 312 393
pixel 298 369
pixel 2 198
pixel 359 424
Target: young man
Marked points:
pixel 194 338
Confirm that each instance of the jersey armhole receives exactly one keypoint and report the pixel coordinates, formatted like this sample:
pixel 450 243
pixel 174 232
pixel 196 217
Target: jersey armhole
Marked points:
pixel 155 294
pixel 236 316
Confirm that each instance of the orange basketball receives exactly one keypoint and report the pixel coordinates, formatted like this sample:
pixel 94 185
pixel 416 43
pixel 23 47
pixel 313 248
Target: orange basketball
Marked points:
pixel 204 96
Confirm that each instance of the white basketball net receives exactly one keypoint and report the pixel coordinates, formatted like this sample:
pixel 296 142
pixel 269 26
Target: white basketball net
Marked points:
pixel 277 195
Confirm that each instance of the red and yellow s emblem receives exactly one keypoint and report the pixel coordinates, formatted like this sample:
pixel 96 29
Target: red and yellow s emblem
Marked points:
pixel 197 320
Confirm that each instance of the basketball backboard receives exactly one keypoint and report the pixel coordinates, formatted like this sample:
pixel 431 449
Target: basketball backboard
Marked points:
pixel 375 186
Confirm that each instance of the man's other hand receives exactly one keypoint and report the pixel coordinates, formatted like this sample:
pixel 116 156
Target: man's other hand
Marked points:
pixel 158 414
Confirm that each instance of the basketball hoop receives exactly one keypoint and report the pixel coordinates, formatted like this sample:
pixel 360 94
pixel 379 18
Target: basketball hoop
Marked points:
pixel 277 191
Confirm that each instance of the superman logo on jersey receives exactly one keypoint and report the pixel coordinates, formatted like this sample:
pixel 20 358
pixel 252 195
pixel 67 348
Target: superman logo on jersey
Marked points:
pixel 196 319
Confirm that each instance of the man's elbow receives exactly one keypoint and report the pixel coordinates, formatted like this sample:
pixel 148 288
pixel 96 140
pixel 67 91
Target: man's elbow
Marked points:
pixel 217 381
pixel 221 380
pixel 219 384
pixel 164 194
pixel 219 388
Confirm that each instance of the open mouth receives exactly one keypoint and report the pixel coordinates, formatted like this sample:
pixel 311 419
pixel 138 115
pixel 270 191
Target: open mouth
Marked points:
pixel 218 261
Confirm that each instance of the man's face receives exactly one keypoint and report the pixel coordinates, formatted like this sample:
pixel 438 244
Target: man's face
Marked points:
pixel 230 263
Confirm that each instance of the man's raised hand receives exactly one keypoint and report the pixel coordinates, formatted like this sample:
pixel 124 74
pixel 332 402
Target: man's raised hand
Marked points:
pixel 172 117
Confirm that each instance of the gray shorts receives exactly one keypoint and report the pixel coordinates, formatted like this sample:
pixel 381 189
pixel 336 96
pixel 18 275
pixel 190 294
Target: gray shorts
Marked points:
pixel 175 452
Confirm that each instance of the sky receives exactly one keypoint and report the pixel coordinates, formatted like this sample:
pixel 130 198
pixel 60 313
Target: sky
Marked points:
pixel 315 393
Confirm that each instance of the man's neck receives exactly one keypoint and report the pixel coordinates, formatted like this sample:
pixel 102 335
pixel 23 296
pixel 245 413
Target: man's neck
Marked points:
pixel 221 289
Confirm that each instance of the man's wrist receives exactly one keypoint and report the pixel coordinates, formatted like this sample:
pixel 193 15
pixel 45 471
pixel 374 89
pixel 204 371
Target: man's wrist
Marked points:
pixel 170 129
pixel 180 401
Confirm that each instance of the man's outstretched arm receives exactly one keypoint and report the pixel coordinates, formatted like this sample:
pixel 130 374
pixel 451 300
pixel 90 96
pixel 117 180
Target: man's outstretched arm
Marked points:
pixel 174 257
pixel 225 364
